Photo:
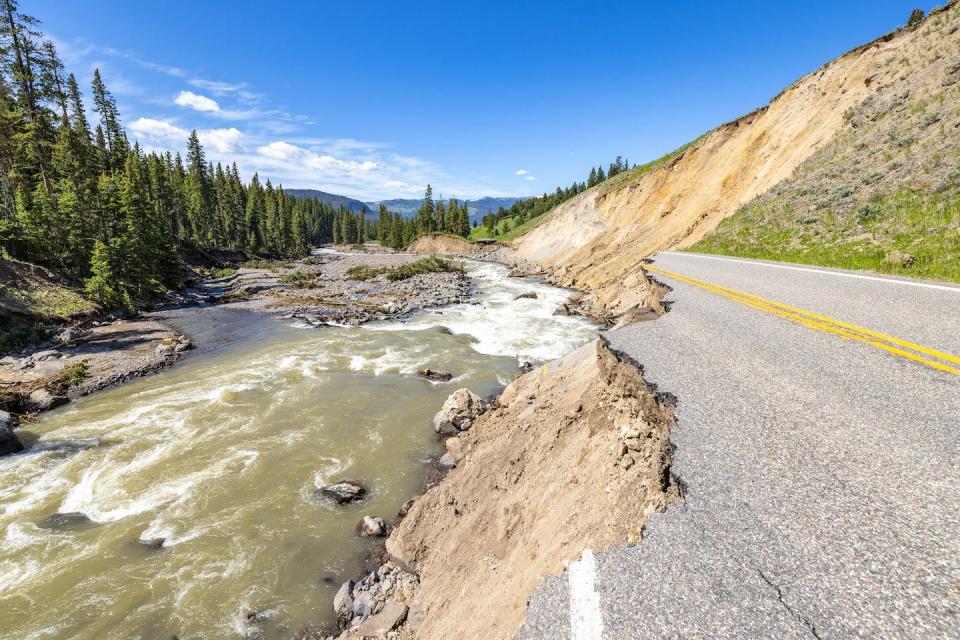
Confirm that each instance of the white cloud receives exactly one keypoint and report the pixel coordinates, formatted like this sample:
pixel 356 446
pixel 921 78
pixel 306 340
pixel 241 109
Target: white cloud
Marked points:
pixel 218 88
pixel 522 172
pixel 222 140
pixel 280 150
pixel 158 132
pixel 530 177
pixel 196 101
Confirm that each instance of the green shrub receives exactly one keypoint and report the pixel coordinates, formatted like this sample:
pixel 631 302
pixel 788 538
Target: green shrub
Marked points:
pixel 71 376
pixel 21 337
pixel 365 272
pixel 430 264
pixel 225 272
pixel 297 277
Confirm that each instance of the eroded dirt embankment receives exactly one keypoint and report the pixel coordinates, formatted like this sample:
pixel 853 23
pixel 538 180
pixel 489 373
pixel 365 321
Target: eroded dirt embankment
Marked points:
pixel 583 430
pixel 598 240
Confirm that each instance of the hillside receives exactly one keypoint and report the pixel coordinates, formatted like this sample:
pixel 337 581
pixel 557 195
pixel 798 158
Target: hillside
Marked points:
pixel 884 193
pixel 330 198
pixel 901 86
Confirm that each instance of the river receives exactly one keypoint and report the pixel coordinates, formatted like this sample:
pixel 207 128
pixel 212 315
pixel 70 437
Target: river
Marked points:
pixel 219 459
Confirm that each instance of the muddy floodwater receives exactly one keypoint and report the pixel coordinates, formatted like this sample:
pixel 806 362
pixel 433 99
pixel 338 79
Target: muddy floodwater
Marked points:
pixel 214 465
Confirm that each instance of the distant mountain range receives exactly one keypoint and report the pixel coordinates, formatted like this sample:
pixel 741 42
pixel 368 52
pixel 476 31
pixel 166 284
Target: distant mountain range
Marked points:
pixel 333 198
pixel 406 207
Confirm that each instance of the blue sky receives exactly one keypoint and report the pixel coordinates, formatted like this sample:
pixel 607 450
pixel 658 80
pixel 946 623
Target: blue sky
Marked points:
pixel 375 99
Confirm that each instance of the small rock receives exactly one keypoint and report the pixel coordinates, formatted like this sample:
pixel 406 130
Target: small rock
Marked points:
pixel 153 543
pixel 405 509
pixel 43 400
pixel 446 461
pixel 389 618
pixel 899 259
pixel 343 601
pixel 372 527
pixel 344 491
pixel 430 374
pixel 454 450
pixel 526 367
pixel 363 605
pixel 529 295
pixel 40 356
pixel 183 343
pixel 458 412
pixel 5 418
pixel 70 335
pixel 8 440
pixel 164 349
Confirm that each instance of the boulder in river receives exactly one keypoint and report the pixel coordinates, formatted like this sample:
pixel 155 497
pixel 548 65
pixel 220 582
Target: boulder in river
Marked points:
pixel 439 376
pixel 8 440
pixel 529 295
pixel 372 527
pixel 71 520
pixel 153 543
pixel 344 491
pixel 43 400
pixel 458 412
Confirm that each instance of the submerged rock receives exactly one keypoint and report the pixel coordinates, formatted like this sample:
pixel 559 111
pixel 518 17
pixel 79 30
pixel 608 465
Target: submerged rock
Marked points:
pixel 372 527
pixel 71 520
pixel 344 491
pixel 529 295
pixel 439 376
pixel 458 412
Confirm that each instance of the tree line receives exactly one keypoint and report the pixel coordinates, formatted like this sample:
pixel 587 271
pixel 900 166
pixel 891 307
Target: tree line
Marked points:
pixel 78 197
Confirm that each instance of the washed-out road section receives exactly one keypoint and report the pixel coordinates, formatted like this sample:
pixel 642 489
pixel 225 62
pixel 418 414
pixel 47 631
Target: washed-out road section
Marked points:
pixel 820 473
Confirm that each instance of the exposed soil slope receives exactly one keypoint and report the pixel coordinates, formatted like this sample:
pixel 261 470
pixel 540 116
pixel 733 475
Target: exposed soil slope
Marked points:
pixel 584 430
pixel 884 194
pixel 680 199
pixel 442 243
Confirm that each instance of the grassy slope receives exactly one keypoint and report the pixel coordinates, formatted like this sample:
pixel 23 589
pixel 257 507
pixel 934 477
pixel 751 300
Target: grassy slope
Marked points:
pixel 888 183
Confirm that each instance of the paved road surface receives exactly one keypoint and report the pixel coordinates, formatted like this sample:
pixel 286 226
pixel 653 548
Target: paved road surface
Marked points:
pixel 820 465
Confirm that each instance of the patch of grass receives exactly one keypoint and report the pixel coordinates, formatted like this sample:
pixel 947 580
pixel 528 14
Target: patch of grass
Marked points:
pixel 20 337
pixel 225 272
pixel 270 265
pixel 69 377
pixel 430 264
pixel 297 277
pixel 923 224
pixel 365 272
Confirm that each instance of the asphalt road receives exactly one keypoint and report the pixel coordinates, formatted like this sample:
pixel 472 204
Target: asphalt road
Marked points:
pixel 819 464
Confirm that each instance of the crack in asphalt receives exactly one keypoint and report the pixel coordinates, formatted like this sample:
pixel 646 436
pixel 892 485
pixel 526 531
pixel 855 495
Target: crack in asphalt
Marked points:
pixel 807 623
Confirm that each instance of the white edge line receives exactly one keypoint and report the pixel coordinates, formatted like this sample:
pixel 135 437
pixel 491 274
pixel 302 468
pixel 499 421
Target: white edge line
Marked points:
pixel 911 283
pixel 586 621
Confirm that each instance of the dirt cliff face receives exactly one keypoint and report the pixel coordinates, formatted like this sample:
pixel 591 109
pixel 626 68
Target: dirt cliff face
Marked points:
pixel 442 244
pixel 584 430
pixel 681 199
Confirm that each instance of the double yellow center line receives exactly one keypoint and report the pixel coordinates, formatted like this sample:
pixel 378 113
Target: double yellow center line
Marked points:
pixel 924 355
